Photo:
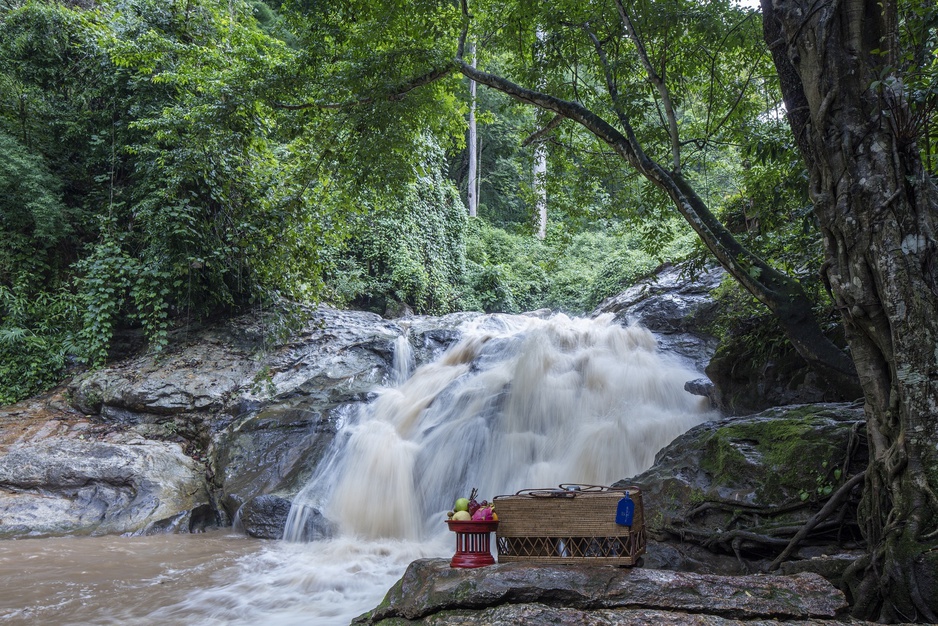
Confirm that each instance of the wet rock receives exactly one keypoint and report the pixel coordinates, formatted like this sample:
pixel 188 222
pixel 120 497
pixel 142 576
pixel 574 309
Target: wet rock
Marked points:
pixel 676 307
pixel 209 369
pixel 265 517
pixel 431 336
pixel 702 387
pixel 431 592
pixel 63 486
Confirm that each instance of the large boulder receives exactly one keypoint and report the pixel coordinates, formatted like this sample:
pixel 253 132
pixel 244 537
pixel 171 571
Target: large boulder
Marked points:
pixel 745 485
pixel 431 592
pixel 60 474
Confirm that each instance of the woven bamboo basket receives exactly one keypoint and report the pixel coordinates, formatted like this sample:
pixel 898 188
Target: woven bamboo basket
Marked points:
pixel 561 525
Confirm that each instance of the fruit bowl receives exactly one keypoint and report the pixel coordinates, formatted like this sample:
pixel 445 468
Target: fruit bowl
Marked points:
pixel 472 526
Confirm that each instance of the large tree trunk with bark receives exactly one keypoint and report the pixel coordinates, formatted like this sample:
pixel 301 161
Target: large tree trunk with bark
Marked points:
pixel 878 210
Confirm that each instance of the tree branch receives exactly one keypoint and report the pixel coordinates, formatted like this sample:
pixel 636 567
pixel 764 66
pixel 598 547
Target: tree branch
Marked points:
pixel 540 134
pixel 658 83
pixel 394 96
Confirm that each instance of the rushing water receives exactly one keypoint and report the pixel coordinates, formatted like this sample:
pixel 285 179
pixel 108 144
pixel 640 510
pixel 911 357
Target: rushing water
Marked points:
pixel 518 402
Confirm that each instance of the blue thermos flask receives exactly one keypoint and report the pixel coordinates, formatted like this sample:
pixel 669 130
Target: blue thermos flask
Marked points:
pixel 625 510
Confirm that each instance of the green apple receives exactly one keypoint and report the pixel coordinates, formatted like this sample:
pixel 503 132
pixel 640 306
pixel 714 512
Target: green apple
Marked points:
pixel 461 505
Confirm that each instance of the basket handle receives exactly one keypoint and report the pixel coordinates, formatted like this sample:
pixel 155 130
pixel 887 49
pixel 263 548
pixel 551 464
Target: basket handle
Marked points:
pixel 550 492
pixel 563 492
pixel 601 488
pixel 587 488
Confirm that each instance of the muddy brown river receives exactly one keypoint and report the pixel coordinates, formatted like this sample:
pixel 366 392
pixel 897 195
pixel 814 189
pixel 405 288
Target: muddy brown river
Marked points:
pixel 208 579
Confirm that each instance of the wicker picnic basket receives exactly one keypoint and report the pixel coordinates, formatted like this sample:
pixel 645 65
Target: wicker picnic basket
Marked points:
pixel 569 524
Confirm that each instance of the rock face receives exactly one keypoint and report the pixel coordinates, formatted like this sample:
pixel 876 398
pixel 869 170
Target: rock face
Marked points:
pixel 744 485
pixel 430 592
pixel 673 307
pixel 225 418
pixel 60 476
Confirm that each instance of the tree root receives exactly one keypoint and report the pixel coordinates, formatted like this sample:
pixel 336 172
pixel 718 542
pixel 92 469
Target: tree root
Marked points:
pixel 758 536
pixel 835 501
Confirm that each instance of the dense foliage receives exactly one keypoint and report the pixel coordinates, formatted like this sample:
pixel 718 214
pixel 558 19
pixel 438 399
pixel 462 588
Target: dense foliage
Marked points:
pixel 148 178
pixel 166 161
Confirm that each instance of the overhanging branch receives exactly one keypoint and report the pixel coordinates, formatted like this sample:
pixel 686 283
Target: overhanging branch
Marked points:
pixel 397 94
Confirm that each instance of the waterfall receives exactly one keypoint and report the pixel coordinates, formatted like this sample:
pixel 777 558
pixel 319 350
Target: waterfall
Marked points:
pixel 403 360
pixel 518 402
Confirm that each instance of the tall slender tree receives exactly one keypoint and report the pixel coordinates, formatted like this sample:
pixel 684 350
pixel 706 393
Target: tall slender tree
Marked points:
pixel 473 185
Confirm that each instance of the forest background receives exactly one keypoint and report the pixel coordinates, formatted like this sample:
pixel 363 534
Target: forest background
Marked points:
pixel 152 175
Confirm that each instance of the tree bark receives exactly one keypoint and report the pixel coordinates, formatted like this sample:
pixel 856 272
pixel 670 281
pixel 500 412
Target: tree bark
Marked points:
pixel 877 208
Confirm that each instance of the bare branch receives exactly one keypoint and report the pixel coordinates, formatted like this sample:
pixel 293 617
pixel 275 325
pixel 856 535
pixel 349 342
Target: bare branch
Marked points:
pixel 540 134
pixel 658 83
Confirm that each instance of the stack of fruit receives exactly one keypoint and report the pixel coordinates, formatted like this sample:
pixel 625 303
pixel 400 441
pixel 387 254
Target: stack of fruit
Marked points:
pixel 468 509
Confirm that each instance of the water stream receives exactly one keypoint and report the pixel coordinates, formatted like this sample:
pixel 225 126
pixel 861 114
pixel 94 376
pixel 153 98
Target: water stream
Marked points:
pixel 518 402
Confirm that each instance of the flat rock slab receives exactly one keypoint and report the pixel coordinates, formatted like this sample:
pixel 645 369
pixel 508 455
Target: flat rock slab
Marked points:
pixel 430 592
pixel 542 615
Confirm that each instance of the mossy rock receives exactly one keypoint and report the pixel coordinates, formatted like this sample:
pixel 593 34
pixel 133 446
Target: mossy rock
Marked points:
pixel 773 468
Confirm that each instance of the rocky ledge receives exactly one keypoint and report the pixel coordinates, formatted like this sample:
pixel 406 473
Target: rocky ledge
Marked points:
pixel 432 593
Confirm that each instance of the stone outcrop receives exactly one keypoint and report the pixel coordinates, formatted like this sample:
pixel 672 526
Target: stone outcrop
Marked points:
pixel 675 308
pixel 61 473
pixel 431 592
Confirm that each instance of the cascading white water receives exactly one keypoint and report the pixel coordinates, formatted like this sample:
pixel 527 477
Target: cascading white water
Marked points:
pixel 518 402
pixel 403 361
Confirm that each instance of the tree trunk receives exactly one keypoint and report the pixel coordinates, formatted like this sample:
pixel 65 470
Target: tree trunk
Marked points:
pixel 540 188
pixel 540 176
pixel 877 209
pixel 473 189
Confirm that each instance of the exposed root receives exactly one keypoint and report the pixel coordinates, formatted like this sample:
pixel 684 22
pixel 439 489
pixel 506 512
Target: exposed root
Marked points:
pixel 832 505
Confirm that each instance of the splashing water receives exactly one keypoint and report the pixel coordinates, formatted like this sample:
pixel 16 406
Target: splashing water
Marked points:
pixel 519 402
